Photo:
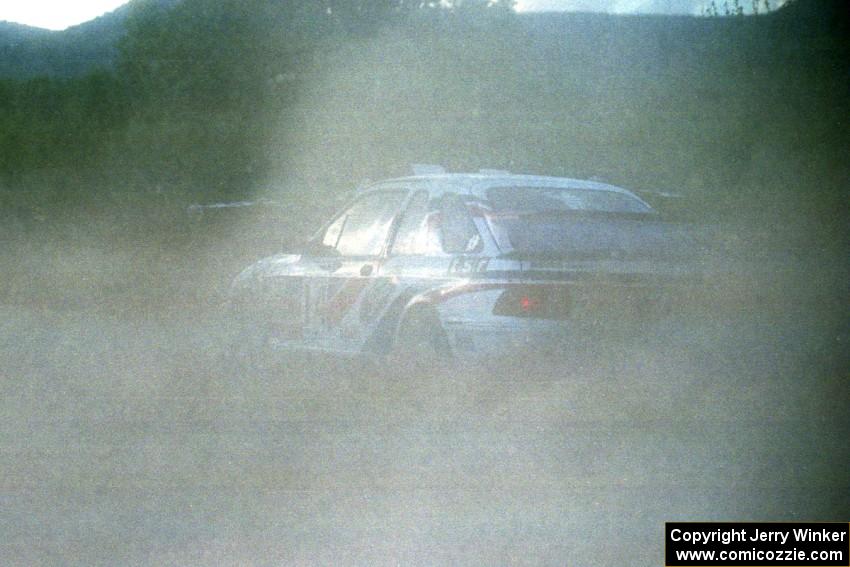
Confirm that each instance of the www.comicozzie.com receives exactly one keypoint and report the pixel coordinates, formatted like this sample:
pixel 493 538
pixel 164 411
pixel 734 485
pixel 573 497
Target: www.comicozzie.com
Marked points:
pixel 757 544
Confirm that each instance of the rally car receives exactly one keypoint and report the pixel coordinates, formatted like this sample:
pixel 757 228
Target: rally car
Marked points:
pixel 467 265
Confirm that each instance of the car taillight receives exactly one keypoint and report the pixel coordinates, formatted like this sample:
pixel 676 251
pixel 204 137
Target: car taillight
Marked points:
pixel 529 303
pixel 533 301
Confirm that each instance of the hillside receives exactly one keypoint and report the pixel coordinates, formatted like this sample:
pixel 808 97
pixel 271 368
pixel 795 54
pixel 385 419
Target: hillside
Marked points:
pixel 214 99
pixel 27 52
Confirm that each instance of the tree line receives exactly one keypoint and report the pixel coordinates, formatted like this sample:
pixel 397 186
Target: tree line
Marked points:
pixel 213 99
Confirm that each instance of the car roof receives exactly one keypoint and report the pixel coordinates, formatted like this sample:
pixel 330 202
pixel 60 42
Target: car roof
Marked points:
pixel 478 183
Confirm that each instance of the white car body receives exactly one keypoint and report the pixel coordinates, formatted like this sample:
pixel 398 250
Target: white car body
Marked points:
pixel 442 244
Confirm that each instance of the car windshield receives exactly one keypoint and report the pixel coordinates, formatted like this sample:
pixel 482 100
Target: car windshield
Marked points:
pixel 566 222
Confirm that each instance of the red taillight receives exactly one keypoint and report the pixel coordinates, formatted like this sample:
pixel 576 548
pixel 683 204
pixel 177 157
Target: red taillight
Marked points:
pixel 533 301
pixel 527 303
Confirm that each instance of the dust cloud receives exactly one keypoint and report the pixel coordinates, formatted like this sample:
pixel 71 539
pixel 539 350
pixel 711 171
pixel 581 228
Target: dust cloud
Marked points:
pixel 131 435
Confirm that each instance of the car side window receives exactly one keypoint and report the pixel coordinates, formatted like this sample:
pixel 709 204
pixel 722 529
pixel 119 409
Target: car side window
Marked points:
pixel 362 230
pixel 457 229
pixel 333 232
pixel 417 232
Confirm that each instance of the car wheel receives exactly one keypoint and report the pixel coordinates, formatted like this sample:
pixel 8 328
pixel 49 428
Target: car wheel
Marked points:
pixel 421 345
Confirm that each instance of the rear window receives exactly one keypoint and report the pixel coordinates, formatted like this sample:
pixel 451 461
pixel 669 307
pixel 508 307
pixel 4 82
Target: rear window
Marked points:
pixel 566 222
pixel 545 200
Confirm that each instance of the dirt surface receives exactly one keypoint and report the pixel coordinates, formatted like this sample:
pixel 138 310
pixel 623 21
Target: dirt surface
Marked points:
pixel 127 439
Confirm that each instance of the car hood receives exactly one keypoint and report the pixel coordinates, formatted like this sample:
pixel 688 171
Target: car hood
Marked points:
pixel 264 268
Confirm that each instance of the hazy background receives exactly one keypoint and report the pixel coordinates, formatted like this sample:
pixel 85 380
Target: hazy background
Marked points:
pixel 126 438
pixel 53 15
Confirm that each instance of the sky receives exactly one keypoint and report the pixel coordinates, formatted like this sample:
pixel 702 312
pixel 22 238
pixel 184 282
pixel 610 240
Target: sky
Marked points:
pixel 60 14
pixel 614 6
pixel 55 14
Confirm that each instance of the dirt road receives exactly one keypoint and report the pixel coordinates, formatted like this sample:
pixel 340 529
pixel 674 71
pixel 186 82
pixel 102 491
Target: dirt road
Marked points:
pixel 122 442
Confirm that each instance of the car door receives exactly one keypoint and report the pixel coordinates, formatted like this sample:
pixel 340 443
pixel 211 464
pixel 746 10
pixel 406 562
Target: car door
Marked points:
pixel 435 237
pixel 436 244
pixel 345 268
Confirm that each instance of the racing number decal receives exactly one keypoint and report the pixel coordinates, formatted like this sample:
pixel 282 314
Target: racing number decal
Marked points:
pixel 338 304
pixel 327 301
pixel 468 265
pixel 375 300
